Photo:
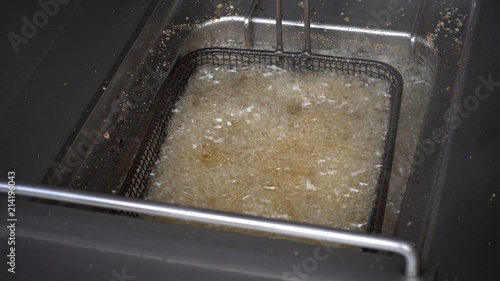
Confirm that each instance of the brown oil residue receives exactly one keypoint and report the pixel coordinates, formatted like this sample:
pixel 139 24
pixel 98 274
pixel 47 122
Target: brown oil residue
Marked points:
pixel 304 147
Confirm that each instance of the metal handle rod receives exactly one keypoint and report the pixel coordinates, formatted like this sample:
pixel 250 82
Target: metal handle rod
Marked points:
pixel 141 206
pixel 247 23
pixel 414 31
pixel 307 28
pixel 279 27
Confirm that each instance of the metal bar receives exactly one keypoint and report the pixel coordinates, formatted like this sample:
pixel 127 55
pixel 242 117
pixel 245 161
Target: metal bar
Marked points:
pixel 279 27
pixel 307 28
pixel 266 21
pixel 247 23
pixel 414 31
pixel 114 202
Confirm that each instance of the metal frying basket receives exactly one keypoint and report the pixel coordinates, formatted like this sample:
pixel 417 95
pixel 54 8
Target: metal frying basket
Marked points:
pixel 136 183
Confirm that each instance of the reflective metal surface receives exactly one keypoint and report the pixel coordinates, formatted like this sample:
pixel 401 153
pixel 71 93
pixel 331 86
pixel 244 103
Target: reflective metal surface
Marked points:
pixel 247 21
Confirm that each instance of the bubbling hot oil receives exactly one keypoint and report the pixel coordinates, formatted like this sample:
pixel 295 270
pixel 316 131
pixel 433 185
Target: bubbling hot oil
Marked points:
pixel 304 147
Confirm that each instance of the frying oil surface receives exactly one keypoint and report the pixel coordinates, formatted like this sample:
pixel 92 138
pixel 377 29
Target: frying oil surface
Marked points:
pixel 303 147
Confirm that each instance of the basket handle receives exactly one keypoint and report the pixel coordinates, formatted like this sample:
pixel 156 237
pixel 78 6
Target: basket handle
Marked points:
pixel 307 28
pixel 247 23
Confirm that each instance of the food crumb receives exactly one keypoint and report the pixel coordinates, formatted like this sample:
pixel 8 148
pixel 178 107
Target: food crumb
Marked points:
pixel 106 135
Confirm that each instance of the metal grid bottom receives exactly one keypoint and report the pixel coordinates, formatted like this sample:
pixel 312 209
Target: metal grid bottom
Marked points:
pixel 136 183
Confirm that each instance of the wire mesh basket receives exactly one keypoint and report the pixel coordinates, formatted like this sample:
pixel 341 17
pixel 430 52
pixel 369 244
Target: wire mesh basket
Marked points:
pixel 136 183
